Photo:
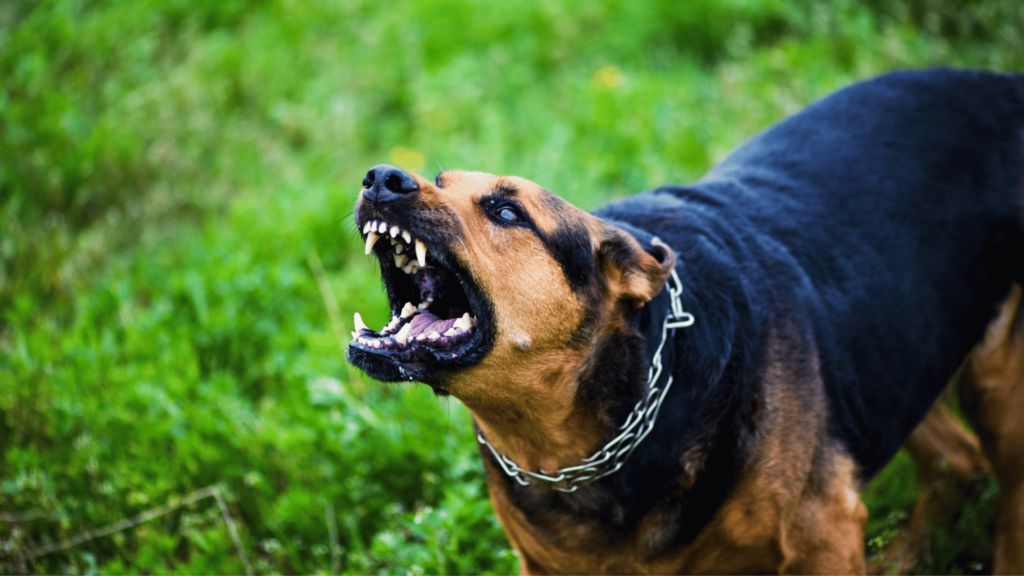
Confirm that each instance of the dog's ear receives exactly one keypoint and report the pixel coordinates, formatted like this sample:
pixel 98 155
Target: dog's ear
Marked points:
pixel 631 273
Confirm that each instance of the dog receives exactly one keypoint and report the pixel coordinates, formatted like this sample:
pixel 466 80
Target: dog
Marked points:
pixel 703 378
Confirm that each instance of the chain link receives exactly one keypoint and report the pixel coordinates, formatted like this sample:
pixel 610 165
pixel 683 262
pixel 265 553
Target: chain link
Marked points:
pixel 637 426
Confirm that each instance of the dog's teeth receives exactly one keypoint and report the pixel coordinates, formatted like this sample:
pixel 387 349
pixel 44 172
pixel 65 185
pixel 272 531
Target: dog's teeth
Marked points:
pixel 407 237
pixel 393 323
pixel 359 324
pixel 408 310
pixel 403 334
pixel 463 323
pixel 400 261
pixel 421 253
pixel 382 227
pixel 394 231
pixel 371 239
pixel 355 335
pixel 423 306
pixel 473 321
pixel 451 331
pixel 366 227
pixel 421 337
pixel 398 247
pixel 375 343
pixel 434 335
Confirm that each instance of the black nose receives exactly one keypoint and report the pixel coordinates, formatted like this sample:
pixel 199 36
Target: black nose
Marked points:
pixel 384 183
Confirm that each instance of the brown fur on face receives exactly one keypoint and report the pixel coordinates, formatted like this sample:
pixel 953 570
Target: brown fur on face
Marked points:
pixel 548 284
pixel 550 320
pixel 560 291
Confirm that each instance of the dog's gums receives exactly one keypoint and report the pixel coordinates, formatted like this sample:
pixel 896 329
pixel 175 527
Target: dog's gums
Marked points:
pixel 432 320
pixel 901 196
pixel 415 324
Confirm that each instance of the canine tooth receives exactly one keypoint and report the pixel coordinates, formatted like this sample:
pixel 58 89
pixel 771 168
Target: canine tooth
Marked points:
pixel 434 335
pixel 451 332
pixel 463 323
pixel 371 239
pixel 366 227
pixel 407 237
pixel 421 253
pixel 408 310
pixel 398 247
pixel 403 334
pixel 401 260
pixel 395 230
pixel 360 325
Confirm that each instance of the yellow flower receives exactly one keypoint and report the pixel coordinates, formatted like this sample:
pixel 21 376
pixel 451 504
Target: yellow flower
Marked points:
pixel 407 158
pixel 606 78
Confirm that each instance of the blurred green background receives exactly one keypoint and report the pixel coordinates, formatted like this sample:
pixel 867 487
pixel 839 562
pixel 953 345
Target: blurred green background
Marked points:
pixel 179 268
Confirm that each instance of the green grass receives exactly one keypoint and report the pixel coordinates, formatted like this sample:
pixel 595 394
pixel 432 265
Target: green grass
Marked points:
pixel 172 171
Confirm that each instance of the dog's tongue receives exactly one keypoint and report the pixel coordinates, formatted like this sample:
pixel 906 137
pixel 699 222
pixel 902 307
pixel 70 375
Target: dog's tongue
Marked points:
pixel 427 323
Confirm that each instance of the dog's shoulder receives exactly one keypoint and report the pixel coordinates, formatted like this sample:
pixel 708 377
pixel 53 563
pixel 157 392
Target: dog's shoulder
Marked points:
pixel 884 214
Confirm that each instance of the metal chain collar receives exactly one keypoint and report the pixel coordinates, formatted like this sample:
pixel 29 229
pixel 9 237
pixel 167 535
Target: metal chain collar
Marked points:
pixel 638 425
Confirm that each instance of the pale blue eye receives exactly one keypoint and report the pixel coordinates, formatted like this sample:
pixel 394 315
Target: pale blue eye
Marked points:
pixel 508 214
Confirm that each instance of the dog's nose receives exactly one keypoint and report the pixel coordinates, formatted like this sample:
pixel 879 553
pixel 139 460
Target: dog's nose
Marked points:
pixel 385 183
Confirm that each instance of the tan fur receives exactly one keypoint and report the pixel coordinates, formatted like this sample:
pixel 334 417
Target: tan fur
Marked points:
pixel 992 395
pixel 949 459
pixel 643 278
pixel 522 394
pixel 795 508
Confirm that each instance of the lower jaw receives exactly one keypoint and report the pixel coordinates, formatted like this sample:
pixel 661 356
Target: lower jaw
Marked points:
pixel 423 364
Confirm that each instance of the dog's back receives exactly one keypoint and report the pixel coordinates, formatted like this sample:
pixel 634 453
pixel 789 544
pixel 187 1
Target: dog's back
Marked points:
pixel 890 213
pixel 839 266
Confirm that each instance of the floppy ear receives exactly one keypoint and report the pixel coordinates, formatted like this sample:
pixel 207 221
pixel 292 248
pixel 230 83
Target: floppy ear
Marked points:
pixel 631 273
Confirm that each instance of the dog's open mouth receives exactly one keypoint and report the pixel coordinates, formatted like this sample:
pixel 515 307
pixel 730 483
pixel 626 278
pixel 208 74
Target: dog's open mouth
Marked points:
pixel 439 320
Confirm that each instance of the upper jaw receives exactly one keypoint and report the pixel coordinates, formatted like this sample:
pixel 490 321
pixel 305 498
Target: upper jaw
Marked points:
pixel 441 321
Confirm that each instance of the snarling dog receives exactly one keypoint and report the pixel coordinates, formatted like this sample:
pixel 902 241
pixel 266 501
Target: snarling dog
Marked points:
pixel 702 378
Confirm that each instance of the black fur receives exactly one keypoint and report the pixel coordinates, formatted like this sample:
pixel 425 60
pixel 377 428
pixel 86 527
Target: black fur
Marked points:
pixel 570 247
pixel 883 224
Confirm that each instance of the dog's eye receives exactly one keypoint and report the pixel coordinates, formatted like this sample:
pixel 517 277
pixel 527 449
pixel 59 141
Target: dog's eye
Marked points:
pixel 504 211
pixel 509 214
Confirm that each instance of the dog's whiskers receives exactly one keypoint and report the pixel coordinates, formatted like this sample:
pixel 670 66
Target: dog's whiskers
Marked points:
pixel 468 259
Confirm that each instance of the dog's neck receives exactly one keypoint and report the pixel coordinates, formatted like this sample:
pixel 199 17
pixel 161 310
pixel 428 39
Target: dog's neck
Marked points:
pixel 548 430
pixel 696 447
pixel 571 411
